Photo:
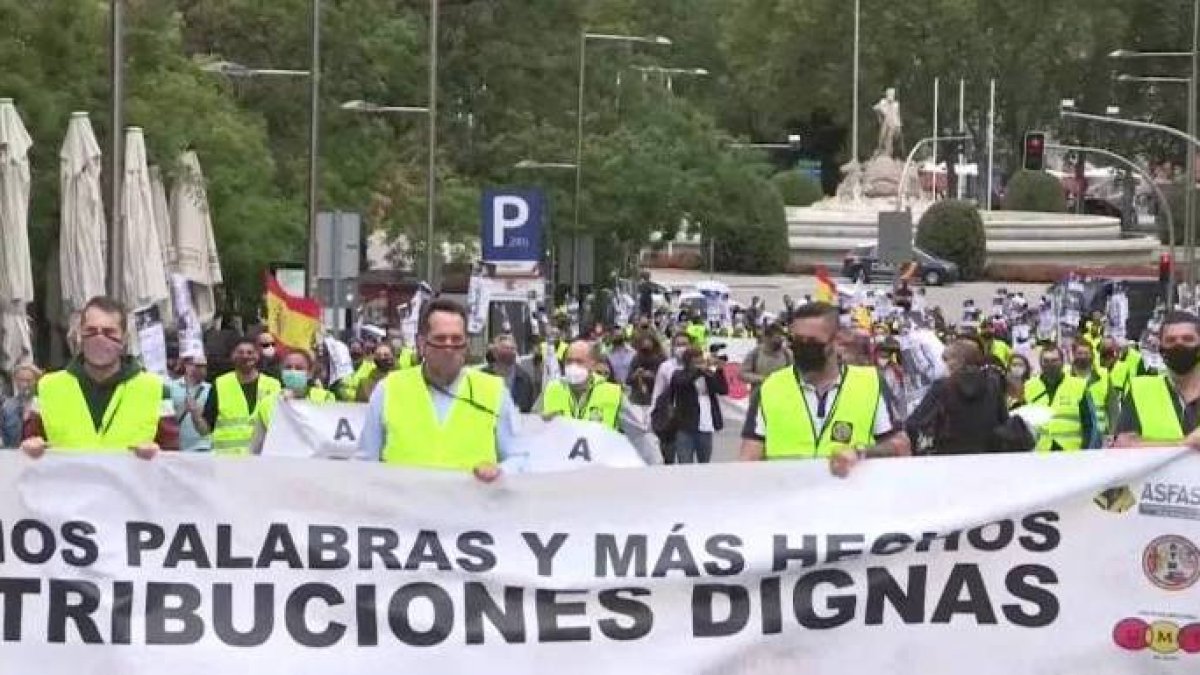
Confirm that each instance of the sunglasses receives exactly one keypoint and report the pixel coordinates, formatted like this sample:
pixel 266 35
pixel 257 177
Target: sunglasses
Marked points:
pixel 264 345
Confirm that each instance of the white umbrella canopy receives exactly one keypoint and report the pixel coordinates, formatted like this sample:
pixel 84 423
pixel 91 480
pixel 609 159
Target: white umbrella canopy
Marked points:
pixel 144 278
pixel 83 236
pixel 162 219
pixel 16 274
pixel 195 245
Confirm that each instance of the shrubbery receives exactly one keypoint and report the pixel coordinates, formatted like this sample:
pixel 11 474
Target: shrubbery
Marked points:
pixel 1035 191
pixel 953 230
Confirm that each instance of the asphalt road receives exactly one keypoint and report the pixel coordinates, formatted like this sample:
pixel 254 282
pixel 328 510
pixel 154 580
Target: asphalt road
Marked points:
pixel 772 289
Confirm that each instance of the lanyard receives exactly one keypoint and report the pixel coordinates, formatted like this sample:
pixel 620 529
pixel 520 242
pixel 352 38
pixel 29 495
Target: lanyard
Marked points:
pixel 578 409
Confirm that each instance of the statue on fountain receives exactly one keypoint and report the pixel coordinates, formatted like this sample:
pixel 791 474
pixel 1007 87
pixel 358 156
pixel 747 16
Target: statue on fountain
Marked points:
pixel 880 176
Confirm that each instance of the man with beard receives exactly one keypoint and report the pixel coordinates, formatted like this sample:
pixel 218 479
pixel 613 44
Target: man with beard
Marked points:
pixel 1163 410
pixel 234 399
pixel 821 409
pixel 103 401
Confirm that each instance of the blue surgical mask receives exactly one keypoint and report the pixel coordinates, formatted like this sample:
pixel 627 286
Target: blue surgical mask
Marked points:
pixel 296 380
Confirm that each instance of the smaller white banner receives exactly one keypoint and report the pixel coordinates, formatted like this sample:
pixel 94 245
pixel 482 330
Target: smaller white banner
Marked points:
pixel 331 430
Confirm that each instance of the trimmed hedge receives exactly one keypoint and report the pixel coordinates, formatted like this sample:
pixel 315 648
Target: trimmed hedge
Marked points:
pixel 953 230
pixel 1035 191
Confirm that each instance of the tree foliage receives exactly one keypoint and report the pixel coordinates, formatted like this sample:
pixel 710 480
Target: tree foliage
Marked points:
pixel 954 230
pixel 507 81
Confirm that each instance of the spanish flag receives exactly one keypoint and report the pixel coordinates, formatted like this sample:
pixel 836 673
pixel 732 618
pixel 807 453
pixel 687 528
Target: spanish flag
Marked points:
pixel 293 321
pixel 826 289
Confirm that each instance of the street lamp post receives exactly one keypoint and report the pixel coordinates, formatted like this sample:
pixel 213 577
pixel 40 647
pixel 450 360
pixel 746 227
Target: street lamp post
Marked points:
pixel 368 108
pixel 1192 145
pixel 854 117
pixel 116 124
pixel 1189 190
pixel 584 36
pixel 431 190
pixel 1162 199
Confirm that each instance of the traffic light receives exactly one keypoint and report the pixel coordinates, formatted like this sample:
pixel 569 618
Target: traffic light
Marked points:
pixel 1164 269
pixel 1035 151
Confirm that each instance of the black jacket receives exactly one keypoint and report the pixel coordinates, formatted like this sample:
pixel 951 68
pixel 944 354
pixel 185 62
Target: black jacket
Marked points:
pixel 960 415
pixel 687 399
pixel 523 391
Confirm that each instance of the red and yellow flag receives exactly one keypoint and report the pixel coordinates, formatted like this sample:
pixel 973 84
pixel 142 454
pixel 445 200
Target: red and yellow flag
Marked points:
pixel 826 288
pixel 293 321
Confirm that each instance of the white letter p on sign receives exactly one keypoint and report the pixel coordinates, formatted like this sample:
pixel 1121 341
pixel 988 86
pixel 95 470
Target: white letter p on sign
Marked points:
pixel 509 212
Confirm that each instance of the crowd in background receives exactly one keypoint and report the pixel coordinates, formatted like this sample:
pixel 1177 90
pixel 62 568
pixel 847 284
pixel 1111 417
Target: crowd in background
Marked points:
pixel 952 385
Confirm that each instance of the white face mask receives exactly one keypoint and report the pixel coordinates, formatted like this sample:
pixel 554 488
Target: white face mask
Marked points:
pixel 576 374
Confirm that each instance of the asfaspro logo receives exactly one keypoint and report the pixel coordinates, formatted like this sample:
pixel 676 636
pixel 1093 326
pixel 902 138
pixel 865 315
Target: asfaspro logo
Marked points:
pixel 1170 500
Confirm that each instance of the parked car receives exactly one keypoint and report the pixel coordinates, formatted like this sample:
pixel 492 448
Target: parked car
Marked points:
pixel 863 263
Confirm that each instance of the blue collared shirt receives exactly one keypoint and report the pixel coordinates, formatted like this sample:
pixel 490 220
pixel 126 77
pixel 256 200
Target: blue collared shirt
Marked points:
pixel 372 440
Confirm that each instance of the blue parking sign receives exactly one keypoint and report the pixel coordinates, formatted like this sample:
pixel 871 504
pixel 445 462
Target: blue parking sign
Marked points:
pixel 512 225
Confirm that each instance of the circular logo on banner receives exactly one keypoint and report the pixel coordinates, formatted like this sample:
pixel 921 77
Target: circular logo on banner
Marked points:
pixel 1116 500
pixel 841 432
pixel 1172 563
pixel 1160 637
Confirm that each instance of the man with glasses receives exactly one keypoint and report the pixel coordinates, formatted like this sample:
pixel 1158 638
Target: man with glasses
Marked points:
pixel 103 401
pixel 443 415
pixel 234 399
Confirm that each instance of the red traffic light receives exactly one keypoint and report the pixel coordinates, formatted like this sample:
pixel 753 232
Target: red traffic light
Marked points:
pixel 1035 146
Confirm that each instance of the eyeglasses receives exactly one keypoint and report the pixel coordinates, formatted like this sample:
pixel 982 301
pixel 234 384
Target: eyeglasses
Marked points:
pixel 264 345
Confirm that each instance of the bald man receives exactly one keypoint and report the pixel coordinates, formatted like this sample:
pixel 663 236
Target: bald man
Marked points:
pixel 581 394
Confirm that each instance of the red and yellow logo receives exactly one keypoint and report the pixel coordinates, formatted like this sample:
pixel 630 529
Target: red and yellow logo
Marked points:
pixel 1160 637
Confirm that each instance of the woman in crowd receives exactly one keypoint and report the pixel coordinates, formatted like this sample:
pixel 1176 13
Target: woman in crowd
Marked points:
pixel 14 410
pixel 961 414
pixel 1018 374
pixel 296 374
pixel 694 389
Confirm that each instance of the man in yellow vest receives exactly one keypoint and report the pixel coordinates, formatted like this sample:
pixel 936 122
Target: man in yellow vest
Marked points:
pixel 821 409
pixel 1074 425
pixel 235 398
pixel 295 375
pixel 1163 410
pixel 580 394
pixel 361 356
pixel 443 415
pixel 697 331
pixel 993 347
pixel 103 401
pixel 1098 382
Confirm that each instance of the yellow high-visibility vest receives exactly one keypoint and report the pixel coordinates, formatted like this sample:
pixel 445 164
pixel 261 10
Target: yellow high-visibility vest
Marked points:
pixel 1065 428
pixel 601 403
pixel 131 418
pixel 1154 406
pixel 234 426
pixel 465 439
pixel 850 423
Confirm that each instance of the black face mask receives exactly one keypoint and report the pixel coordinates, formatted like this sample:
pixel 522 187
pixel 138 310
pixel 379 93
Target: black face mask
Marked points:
pixel 1052 373
pixel 1181 360
pixel 810 355
pixel 385 364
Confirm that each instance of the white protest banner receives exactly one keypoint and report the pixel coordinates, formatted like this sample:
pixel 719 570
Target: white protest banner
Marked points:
pixel 302 429
pixel 1057 564
pixel 735 349
pixel 151 340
